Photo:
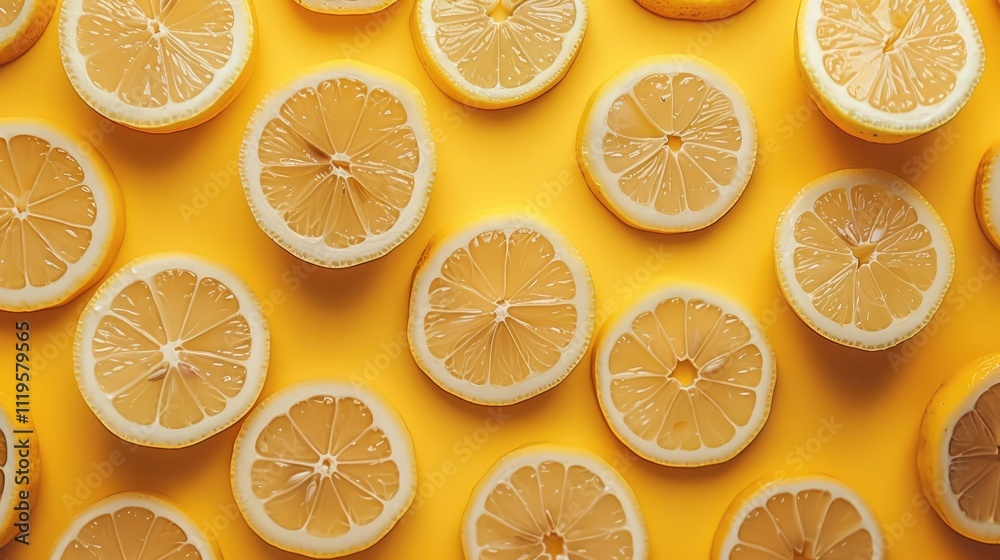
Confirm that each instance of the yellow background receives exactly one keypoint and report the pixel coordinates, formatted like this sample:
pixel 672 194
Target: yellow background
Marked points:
pixel 331 323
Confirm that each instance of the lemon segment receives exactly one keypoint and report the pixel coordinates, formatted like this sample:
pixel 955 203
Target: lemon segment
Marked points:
pixel 501 310
pixel 22 23
pixel 546 501
pixel 345 7
pixel 698 10
pixel 988 195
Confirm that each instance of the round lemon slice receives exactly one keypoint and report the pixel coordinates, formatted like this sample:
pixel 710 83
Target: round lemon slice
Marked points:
pixel 959 451
pixel 61 215
pixel 988 195
pixel 323 469
pixel 699 10
pixel 22 22
pixel 863 259
pixel 501 310
pixel 887 71
pixel 553 502
pixel 19 465
pixel 668 144
pixel 157 66
pixel 808 518
pixel 134 526
pixel 345 7
pixel 492 54
pixel 337 166
pixel 171 350
pixel 684 376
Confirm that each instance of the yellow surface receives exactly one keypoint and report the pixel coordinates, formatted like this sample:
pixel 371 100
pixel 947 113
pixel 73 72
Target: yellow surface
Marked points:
pixel 349 323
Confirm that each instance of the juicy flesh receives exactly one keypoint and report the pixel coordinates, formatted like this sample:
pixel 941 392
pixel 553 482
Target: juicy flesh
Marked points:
pixel 171 349
pixel 152 53
pixel 324 467
pixel 46 212
pixel 502 43
pixel 652 385
pixel 501 308
pixel 553 508
pixel 863 257
pixel 9 10
pixel 131 533
pixel 974 449
pixel 672 141
pixel 807 525
pixel 338 162
pixel 896 56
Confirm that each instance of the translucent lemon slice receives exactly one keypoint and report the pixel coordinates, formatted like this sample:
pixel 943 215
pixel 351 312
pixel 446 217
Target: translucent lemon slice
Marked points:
pixel 157 66
pixel 684 376
pixel 337 166
pixel 988 195
pixel 547 502
pixel 887 71
pixel 61 215
pixel 323 469
pixel 863 259
pixel 171 350
pixel 668 144
pixel 501 310
pixel 22 22
pixel 959 451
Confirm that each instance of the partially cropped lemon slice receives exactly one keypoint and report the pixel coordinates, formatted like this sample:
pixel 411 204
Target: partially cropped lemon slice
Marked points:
pixel 863 258
pixel 548 502
pixel 959 451
pixel 492 54
pixel 699 10
pixel 134 526
pixel 157 66
pixel 668 144
pixel 171 350
pixel 887 71
pixel 345 7
pixel 61 215
pixel 323 469
pixel 337 166
pixel 19 462
pixel 501 310
pixel 808 518
pixel 988 195
pixel 22 22
pixel 684 376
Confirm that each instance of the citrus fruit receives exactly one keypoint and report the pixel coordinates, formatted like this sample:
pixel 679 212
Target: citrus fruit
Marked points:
pixel 22 22
pixel 501 310
pixel 959 451
pixel 863 258
pixel 61 215
pixel 134 526
pixel 552 502
pixel 19 462
pixel 887 71
pixel 492 54
pixel 684 376
pixel 988 195
pixel 337 165
pixel 157 66
pixel 699 10
pixel 323 469
pixel 668 144
pixel 345 7
pixel 171 350
pixel 806 518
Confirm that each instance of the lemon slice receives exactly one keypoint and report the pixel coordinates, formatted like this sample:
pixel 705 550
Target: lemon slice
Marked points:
pixel 22 22
pixel 492 54
pixel 61 215
pixel 323 469
pixel 807 518
pixel 887 71
pixel 547 502
pixel 959 451
pixel 345 7
pixel 337 166
pixel 699 10
pixel 684 376
pixel 668 144
pixel 988 194
pixel 19 466
pixel 171 350
pixel 157 66
pixel 501 310
pixel 862 258
pixel 134 526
